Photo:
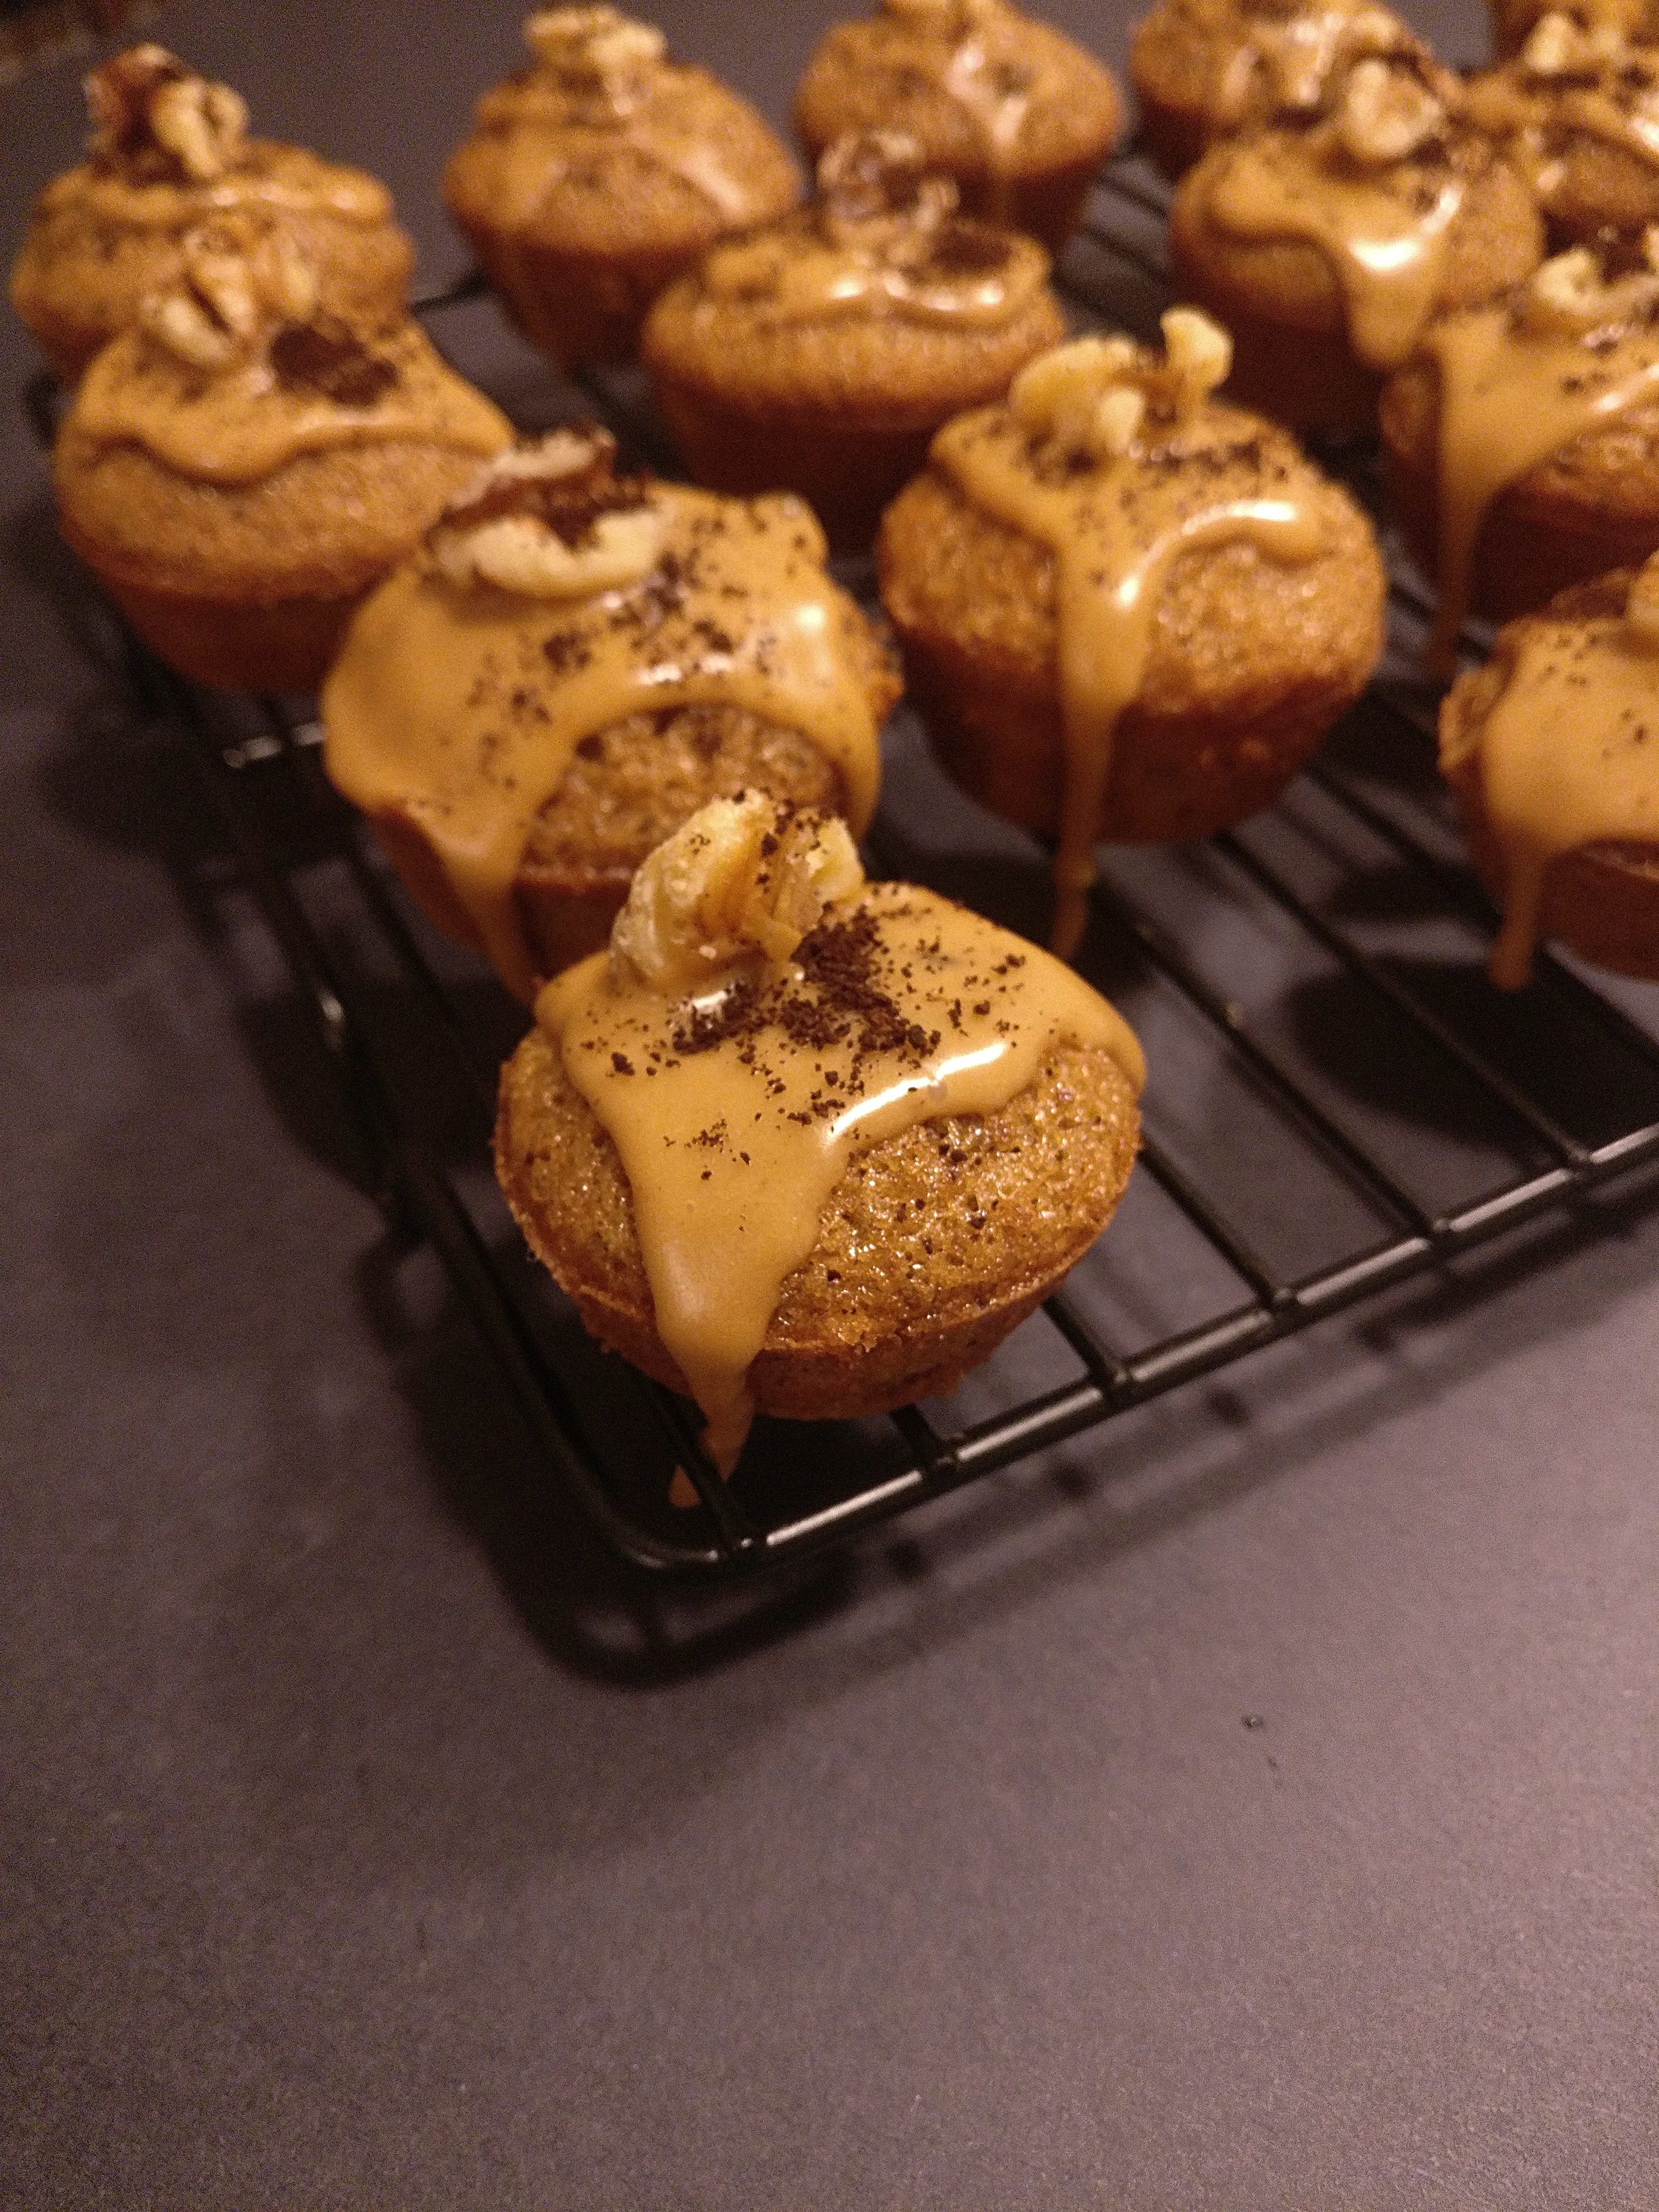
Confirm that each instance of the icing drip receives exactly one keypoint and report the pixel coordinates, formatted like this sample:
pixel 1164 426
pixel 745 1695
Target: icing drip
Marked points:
pixel 881 239
pixel 1568 756
pixel 458 700
pixel 1382 230
pixel 737 1106
pixel 1519 382
pixel 1116 516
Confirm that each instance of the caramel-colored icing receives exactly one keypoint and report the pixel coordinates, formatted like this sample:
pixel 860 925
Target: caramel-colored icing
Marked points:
pixel 1568 757
pixel 460 710
pixel 732 1153
pixel 1509 397
pixel 239 424
pixel 1116 529
pixel 793 274
pixel 266 178
pixel 545 134
pixel 1383 232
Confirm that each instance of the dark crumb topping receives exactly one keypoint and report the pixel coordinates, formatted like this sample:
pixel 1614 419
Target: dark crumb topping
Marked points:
pixel 833 998
pixel 326 357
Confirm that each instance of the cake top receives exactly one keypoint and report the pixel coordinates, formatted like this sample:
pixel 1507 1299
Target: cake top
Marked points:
pixel 882 236
pixel 602 61
pixel 232 370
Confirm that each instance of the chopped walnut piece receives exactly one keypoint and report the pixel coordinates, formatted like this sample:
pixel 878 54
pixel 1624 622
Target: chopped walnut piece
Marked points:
pixel 1387 114
pixel 156 120
pixel 1093 397
pixel 1574 293
pixel 552 521
pixel 597 46
pixel 744 878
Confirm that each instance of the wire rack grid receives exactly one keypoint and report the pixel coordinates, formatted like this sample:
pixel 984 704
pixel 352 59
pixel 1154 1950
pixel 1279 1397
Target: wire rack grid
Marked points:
pixel 1339 1100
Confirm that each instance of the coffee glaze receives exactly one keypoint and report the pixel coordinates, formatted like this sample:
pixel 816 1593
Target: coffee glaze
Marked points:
pixel 308 389
pixel 1511 395
pixel 456 708
pixel 1116 524
pixel 1383 231
pixel 1567 757
pixel 736 1109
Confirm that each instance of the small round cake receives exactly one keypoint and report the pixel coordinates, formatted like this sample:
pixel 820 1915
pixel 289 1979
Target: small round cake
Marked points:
pixel 1553 748
pixel 240 466
pixel 1522 443
pixel 574 663
pixel 1127 610
pixel 170 151
pixel 1020 117
pixel 595 176
pixel 1576 112
pixel 801 1144
pixel 819 354
pixel 1208 70
pixel 1325 250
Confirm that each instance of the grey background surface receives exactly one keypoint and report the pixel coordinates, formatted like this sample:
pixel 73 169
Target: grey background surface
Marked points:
pixel 338 1870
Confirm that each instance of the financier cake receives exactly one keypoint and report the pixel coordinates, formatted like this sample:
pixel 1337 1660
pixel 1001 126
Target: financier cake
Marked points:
pixel 1553 748
pixel 798 1143
pixel 572 664
pixel 170 151
pixel 821 353
pixel 1522 442
pixel 1206 69
pixel 599 173
pixel 240 466
pixel 1326 250
pixel 1020 117
pixel 1127 610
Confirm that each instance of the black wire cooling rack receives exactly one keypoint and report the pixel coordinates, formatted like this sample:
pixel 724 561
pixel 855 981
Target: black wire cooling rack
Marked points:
pixel 1338 1099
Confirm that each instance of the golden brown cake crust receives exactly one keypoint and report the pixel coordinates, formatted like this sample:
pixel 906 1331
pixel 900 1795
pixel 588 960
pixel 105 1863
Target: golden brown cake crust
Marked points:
pixel 1282 300
pixel 1593 506
pixel 931 1248
pixel 1602 900
pixel 87 261
pixel 863 76
pixel 1249 663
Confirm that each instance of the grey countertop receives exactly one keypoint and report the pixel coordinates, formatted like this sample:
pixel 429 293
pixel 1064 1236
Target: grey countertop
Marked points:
pixel 1254 1805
